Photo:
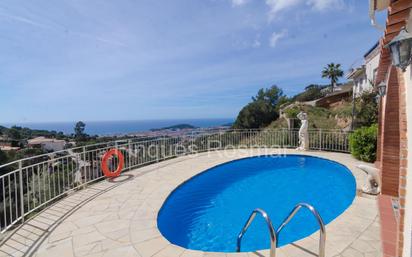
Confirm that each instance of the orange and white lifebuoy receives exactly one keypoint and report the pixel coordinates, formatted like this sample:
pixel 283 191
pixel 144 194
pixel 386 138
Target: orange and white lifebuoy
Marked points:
pixel 106 171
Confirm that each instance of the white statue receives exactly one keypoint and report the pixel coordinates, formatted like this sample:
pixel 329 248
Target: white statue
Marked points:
pixel 372 180
pixel 303 132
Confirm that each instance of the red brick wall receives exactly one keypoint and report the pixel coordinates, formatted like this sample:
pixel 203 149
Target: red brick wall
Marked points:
pixel 390 138
pixel 389 119
pixel 392 135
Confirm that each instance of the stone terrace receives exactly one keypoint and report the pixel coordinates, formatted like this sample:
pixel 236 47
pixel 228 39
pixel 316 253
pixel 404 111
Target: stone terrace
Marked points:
pixel 118 217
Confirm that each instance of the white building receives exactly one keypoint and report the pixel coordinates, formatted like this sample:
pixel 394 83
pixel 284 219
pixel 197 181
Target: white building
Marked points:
pixel 48 144
pixel 364 76
pixel 360 81
pixel 371 64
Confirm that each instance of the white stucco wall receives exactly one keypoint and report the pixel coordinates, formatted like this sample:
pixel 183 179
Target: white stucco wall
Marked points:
pixel 360 83
pixel 408 208
pixel 407 234
pixel 371 66
pixel 363 81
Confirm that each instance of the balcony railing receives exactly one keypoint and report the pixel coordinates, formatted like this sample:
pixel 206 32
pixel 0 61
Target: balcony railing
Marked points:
pixel 30 184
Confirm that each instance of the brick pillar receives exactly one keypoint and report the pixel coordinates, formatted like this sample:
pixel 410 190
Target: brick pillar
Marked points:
pixel 390 137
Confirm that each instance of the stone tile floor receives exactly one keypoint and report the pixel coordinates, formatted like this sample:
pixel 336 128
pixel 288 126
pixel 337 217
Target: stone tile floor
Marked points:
pixel 118 218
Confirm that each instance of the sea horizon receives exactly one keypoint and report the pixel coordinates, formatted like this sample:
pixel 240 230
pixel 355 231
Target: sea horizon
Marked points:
pixel 103 128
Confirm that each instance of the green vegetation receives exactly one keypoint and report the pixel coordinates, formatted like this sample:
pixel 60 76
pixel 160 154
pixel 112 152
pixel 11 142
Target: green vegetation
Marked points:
pixel 333 72
pixel 318 117
pixel 18 137
pixel 363 143
pixel 3 157
pixel 366 109
pixel 312 92
pixel 291 113
pixel 79 134
pixel 17 134
pixel 263 109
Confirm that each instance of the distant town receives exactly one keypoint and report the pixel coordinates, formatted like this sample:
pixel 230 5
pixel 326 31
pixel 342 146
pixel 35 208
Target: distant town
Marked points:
pixel 20 142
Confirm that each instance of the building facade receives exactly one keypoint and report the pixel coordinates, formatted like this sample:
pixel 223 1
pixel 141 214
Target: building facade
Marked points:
pixel 47 144
pixel 364 77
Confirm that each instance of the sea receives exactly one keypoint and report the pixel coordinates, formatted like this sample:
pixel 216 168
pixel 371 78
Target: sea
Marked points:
pixel 102 128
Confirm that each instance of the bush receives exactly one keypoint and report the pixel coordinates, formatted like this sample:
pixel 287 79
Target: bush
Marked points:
pixel 363 143
pixel 291 113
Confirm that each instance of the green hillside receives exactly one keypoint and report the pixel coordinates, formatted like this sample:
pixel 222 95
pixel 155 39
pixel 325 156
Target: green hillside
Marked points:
pixel 338 117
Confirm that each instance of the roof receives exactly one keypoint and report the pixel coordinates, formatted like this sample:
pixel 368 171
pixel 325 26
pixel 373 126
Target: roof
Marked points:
pixel 348 87
pixel 375 46
pixel 42 140
pixel 356 72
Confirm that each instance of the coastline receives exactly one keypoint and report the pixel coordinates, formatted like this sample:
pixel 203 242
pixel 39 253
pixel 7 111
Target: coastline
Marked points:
pixel 121 128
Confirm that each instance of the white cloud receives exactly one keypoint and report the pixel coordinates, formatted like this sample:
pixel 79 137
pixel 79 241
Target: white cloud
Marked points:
pixel 239 2
pixel 276 36
pixel 276 6
pixel 256 44
pixel 321 5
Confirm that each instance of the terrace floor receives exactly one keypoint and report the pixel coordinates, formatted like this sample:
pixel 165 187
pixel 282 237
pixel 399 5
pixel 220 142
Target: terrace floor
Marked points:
pixel 118 218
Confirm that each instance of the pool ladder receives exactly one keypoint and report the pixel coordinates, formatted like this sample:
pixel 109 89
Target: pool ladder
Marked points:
pixel 274 235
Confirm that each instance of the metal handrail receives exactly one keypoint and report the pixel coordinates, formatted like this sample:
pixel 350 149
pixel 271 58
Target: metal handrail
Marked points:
pixel 322 238
pixel 273 236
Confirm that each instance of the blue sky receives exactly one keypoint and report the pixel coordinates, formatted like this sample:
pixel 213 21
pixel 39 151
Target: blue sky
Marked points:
pixel 146 59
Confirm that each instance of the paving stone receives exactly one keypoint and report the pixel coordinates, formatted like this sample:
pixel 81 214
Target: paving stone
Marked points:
pixel 122 220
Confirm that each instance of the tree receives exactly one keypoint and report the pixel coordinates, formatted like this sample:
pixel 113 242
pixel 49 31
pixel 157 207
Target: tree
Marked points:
pixel 14 133
pixel 3 157
pixel 79 134
pixel 333 72
pixel 263 109
pixel 366 109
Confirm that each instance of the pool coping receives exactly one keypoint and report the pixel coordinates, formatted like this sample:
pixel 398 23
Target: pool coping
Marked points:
pixel 123 220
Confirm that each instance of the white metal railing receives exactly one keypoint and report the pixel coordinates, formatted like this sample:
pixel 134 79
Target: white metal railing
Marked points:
pixel 29 184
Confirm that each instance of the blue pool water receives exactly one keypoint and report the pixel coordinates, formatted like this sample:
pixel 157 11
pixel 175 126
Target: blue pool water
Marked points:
pixel 208 211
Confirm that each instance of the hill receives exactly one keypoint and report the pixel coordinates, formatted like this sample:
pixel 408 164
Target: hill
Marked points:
pixel 19 133
pixel 337 117
pixel 175 127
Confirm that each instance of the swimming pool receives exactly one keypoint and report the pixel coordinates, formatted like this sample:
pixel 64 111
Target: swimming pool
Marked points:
pixel 208 211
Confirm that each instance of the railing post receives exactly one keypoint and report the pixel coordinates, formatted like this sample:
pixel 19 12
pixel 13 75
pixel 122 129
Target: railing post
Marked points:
pixel 192 141
pixel 220 139
pixel 320 139
pixel 21 191
pixel 84 166
pixel 129 154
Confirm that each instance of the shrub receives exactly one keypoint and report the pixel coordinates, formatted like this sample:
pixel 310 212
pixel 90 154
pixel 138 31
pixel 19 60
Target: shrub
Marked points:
pixel 363 143
pixel 291 113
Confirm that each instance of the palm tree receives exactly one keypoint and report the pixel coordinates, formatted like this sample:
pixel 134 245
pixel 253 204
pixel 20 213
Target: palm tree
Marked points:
pixel 333 72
